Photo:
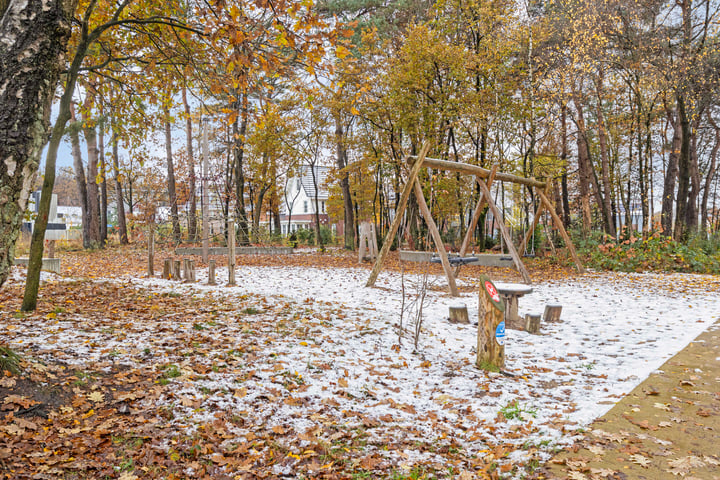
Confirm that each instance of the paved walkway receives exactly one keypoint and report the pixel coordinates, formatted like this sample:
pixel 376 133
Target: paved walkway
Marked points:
pixel 666 428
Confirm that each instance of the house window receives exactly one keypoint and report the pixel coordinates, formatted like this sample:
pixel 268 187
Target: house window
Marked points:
pixel 323 206
pixel 305 206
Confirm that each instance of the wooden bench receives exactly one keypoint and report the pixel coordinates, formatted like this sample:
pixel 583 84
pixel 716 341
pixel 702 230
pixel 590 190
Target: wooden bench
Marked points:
pixel 510 293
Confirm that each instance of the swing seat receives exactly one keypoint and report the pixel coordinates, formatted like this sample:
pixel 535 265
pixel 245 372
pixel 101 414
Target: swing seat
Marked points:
pixel 455 261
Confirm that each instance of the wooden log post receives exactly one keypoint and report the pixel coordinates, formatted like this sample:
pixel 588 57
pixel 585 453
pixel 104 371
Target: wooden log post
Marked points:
pixel 151 250
pixel 167 269
pixel 437 238
pixel 362 243
pixel 231 252
pixel 190 275
pixel 177 270
pixel 459 314
pixel 186 269
pixel 491 327
pixel 532 323
pixel 552 313
pixel 211 272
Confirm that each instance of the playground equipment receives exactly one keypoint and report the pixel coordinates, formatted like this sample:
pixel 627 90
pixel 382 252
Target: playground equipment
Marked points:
pixel 413 185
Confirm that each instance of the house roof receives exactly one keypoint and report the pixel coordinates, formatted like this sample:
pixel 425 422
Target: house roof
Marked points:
pixel 306 180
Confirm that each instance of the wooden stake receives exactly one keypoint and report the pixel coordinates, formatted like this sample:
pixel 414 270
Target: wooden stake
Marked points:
pixel 177 272
pixel 231 252
pixel 437 239
pixel 211 272
pixel 190 275
pixel 399 212
pixel 459 314
pixel 475 218
pixel 167 269
pixel 559 225
pixel 491 327
pixel 532 323
pixel 186 269
pixel 506 235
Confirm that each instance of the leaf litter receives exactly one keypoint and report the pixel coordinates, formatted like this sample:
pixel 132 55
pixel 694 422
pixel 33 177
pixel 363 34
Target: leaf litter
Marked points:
pixel 299 370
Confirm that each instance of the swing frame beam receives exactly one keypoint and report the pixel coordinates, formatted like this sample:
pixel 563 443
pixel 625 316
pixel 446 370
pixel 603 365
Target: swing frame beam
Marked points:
pixel 489 175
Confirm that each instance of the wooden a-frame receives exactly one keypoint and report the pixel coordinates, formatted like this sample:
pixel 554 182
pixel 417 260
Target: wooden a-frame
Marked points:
pixel 413 185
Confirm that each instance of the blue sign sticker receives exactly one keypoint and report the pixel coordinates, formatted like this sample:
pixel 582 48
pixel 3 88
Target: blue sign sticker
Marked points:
pixel 500 333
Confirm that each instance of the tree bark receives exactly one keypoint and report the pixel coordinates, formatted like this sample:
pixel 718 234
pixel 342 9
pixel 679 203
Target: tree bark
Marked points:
pixel 671 173
pixel 34 36
pixel 172 194
pixel 709 178
pixel 120 203
pixel 584 168
pixel 92 187
pixel 341 164
pixel 681 227
pixel 239 131
pixel 103 186
pixel 192 217
pixel 605 161
pixel 80 180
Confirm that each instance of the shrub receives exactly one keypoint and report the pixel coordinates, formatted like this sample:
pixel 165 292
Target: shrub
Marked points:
pixel 655 253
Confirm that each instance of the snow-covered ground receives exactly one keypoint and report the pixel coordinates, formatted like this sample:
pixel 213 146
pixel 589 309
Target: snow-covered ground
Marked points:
pixel 615 329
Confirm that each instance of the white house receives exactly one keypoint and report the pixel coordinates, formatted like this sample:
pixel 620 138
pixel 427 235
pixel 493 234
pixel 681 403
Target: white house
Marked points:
pixel 298 207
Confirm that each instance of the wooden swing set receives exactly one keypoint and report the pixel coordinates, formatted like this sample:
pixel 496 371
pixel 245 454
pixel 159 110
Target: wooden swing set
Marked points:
pixel 413 185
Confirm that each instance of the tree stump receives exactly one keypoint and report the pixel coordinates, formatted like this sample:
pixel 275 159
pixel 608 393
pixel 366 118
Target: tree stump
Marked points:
pixel 167 269
pixel 177 272
pixel 552 313
pixel 491 327
pixel 532 323
pixel 211 272
pixel 459 314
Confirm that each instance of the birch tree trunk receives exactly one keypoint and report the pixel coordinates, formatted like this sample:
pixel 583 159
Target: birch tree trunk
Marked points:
pixel 34 35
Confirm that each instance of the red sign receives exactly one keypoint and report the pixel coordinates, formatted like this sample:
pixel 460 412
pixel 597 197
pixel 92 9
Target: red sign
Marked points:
pixel 492 291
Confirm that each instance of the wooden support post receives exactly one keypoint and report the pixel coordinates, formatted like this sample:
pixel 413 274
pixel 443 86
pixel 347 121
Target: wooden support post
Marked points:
pixel 177 271
pixel 367 246
pixel 559 225
pixel 151 250
pixel 186 269
pixel 51 249
pixel 231 252
pixel 399 212
pixel 362 243
pixel 167 269
pixel 437 239
pixel 491 327
pixel 211 272
pixel 552 313
pixel 475 218
pixel 459 314
pixel 506 235
pixel 190 273
pixel 532 323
